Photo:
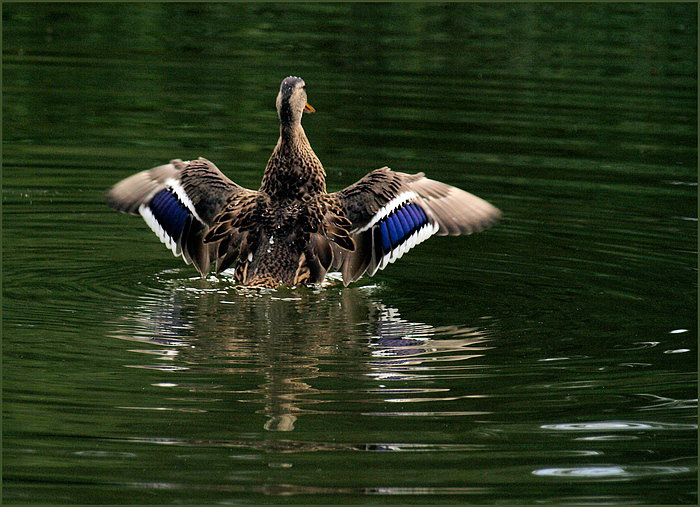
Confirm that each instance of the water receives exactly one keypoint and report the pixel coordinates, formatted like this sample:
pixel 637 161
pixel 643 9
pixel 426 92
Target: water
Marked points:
pixel 551 359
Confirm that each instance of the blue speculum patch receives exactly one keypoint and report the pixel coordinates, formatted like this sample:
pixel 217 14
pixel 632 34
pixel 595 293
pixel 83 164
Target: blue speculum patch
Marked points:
pixel 395 232
pixel 400 225
pixel 170 213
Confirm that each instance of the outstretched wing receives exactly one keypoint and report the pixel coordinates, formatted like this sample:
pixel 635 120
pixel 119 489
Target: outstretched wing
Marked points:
pixel 178 201
pixel 392 212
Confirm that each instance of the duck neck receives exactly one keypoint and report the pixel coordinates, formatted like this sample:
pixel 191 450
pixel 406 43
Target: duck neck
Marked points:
pixel 293 170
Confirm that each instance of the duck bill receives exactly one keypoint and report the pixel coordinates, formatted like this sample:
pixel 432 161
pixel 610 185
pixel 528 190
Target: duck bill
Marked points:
pixel 309 109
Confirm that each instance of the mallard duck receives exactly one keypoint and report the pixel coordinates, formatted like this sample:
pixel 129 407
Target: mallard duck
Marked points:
pixel 291 231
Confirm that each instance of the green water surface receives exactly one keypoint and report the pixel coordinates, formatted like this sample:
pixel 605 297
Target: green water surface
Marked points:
pixel 550 359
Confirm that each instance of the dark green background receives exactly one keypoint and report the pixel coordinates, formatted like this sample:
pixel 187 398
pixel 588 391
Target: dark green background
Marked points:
pixel 551 359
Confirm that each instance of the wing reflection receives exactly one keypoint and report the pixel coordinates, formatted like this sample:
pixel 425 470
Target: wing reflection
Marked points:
pixel 292 339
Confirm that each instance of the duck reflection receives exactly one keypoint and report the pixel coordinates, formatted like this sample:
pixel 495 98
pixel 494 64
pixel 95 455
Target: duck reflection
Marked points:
pixel 290 337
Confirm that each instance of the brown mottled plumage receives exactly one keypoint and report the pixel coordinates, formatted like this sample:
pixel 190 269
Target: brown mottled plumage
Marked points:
pixel 291 231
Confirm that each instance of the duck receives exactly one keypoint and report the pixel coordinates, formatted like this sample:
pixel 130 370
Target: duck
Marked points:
pixel 291 231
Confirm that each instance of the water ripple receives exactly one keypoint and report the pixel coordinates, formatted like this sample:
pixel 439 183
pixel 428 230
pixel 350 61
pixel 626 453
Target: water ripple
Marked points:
pixel 612 472
pixel 619 426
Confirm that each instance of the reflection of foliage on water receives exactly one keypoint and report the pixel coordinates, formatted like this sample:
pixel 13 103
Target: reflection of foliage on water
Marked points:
pixel 287 337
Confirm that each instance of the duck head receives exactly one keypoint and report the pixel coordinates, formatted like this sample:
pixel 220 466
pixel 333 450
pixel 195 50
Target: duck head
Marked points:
pixel 291 101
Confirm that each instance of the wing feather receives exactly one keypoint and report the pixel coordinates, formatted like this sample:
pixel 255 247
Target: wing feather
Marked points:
pixel 392 212
pixel 178 201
